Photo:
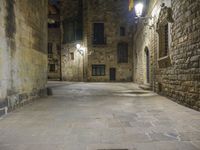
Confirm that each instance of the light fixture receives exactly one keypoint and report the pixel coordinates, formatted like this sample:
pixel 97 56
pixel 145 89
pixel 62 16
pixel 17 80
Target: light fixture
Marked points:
pixel 78 46
pixel 146 20
pixel 139 9
pixel 80 49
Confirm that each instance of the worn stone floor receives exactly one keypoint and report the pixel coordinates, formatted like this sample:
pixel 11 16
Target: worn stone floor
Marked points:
pixel 93 116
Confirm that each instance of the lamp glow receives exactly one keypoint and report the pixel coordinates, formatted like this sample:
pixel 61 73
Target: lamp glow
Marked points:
pixel 78 46
pixel 138 9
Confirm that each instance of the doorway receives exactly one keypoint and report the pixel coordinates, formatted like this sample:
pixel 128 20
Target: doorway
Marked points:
pixel 112 74
pixel 147 64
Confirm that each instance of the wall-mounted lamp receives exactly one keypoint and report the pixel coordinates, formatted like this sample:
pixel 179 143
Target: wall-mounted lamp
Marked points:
pixel 80 49
pixel 78 46
pixel 139 11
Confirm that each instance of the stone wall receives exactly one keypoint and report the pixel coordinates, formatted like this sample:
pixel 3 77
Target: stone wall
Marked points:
pixel 54 58
pixel 72 68
pixel 179 76
pixel 113 14
pixel 23 45
pixel 54 38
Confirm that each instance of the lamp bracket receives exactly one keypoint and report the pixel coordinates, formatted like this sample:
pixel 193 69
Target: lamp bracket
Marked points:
pixel 145 20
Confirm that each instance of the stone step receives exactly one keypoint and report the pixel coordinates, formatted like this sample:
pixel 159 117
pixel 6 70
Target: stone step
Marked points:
pixel 145 87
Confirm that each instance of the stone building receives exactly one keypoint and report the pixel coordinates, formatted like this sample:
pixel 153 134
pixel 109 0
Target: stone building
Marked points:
pixel 167 50
pixel 23 45
pixel 99 40
pixel 104 31
pixel 72 34
pixel 54 41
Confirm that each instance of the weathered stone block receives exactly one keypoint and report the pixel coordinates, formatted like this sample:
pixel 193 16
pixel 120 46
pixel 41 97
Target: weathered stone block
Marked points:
pixel 195 58
pixel 23 47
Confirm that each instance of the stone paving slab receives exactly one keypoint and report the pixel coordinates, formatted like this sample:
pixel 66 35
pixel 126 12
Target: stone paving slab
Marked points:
pixel 92 116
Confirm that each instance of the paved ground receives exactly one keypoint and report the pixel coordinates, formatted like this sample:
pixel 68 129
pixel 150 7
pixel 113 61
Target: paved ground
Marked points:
pixel 91 116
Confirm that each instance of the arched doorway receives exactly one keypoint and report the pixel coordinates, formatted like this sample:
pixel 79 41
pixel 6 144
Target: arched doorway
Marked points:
pixel 147 64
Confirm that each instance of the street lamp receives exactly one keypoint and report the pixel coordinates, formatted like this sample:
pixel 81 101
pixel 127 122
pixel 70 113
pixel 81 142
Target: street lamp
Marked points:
pixel 78 46
pixel 80 49
pixel 139 9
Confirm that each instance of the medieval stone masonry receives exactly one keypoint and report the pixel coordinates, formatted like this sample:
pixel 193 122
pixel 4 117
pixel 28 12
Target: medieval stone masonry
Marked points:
pixel 159 51
pixel 104 31
pixel 167 50
pixel 99 41
pixel 23 46
pixel 73 61
pixel 54 42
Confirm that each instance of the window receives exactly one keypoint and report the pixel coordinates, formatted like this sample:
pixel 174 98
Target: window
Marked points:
pixel 50 48
pixel 69 32
pixel 164 40
pixel 73 31
pixel 122 53
pixel 98 33
pixel 163 28
pixel 52 68
pixel 122 31
pixel 72 56
pixel 166 36
pixel 98 70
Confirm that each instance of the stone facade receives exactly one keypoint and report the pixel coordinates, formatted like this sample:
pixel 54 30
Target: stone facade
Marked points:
pixel 54 42
pixel 72 60
pixel 177 75
pixel 113 15
pixel 23 44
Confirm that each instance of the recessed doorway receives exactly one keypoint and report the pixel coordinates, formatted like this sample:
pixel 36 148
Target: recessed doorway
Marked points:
pixel 112 74
pixel 147 64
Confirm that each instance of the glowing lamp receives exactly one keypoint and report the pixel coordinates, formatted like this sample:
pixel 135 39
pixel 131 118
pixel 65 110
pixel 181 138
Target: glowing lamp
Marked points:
pixel 78 46
pixel 139 9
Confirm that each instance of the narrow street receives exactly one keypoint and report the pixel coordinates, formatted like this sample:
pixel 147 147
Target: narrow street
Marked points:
pixel 93 116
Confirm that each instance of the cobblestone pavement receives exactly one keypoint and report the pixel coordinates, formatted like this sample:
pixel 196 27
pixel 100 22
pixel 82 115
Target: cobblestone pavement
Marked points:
pixel 92 116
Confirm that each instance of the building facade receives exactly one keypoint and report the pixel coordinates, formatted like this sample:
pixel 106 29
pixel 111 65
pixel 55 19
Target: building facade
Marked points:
pixel 167 50
pixel 72 34
pixel 160 50
pixel 23 56
pixel 104 31
pixel 54 41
